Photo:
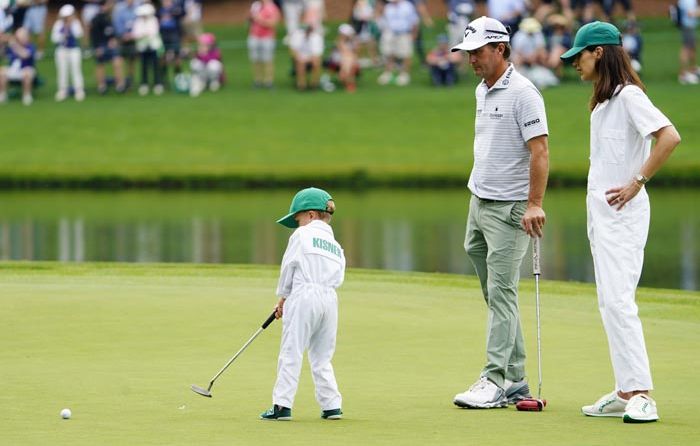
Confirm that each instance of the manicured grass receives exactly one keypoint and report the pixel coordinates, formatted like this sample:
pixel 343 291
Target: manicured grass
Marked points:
pixel 121 344
pixel 243 136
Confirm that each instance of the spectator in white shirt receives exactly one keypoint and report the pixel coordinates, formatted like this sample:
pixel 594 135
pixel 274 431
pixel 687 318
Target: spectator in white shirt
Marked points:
pixel 66 34
pixel 306 45
pixel 530 54
pixel 399 24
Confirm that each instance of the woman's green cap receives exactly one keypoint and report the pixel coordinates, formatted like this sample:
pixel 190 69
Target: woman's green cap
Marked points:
pixel 310 199
pixel 594 33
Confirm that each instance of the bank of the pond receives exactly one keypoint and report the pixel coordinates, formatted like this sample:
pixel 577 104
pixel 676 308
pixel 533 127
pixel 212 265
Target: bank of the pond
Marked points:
pixel 676 176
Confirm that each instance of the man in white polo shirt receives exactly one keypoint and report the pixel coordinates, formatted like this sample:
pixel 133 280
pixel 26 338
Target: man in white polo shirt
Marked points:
pixel 507 183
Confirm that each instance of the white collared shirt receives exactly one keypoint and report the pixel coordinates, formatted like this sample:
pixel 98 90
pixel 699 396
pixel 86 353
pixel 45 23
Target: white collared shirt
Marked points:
pixel 621 129
pixel 400 17
pixel 508 114
pixel 314 261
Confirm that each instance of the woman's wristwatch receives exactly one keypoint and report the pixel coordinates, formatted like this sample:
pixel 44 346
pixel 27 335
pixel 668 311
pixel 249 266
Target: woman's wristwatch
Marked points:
pixel 641 179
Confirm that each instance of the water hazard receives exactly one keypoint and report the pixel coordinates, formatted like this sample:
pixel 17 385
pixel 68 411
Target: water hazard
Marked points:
pixel 396 230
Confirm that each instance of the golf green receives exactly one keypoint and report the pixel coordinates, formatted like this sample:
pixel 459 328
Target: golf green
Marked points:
pixel 120 346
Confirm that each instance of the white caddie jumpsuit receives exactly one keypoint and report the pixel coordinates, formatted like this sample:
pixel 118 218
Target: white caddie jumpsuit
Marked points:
pixel 621 131
pixel 312 268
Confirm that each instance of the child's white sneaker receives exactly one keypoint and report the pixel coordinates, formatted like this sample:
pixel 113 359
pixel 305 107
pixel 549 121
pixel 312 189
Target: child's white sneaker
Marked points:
pixel 143 90
pixel 80 95
pixel 158 90
pixel 640 409
pixel 3 97
pixel 27 99
pixel 214 86
pixel 610 405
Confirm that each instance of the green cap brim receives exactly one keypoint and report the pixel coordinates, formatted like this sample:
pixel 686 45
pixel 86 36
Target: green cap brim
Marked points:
pixel 289 221
pixel 571 54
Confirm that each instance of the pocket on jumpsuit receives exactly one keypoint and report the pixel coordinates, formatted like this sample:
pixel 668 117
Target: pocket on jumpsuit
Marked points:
pixel 636 219
pixel 612 149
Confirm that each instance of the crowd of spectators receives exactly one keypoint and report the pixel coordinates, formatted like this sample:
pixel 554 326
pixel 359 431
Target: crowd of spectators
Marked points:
pixel 166 41
pixel 118 35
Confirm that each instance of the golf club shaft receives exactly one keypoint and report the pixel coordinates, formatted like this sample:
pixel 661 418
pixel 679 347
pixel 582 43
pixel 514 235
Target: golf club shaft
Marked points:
pixel 265 324
pixel 536 272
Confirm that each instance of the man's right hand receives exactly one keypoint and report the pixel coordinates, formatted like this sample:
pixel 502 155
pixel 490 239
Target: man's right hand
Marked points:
pixel 533 221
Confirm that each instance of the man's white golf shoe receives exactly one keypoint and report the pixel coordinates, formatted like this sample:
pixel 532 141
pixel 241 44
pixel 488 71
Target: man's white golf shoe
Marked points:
pixel 516 390
pixel 640 409
pixel 483 394
pixel 609 405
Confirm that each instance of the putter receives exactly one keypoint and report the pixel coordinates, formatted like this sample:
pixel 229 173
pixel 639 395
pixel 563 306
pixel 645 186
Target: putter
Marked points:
pixel 207 392
pixel 535 404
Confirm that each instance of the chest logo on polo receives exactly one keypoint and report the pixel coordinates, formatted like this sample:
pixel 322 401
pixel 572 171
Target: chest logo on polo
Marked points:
pixel 326 246
pixel 495 114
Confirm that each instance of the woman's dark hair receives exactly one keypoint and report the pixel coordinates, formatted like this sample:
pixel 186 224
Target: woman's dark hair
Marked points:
pixel 613 68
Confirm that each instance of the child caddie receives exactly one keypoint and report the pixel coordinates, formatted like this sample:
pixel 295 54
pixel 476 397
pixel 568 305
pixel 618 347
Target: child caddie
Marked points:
pixel 312 268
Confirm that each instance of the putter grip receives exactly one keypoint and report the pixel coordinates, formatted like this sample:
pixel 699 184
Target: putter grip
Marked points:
pixel 269 320
pixel 536 256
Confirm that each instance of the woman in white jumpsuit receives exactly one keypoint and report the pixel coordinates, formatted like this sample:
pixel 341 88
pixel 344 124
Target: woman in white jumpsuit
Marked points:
pixel 623 124
pixel 312 268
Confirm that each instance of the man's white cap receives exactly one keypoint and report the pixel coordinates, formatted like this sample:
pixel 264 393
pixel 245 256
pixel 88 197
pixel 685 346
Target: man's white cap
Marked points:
pixel 481 31
pixel 66 11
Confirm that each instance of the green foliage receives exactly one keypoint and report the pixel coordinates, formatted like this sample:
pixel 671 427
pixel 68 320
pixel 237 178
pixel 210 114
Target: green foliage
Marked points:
pixel 241 137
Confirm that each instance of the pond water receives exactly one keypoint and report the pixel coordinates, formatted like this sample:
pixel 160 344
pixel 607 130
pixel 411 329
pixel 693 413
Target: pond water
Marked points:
pixel 386 229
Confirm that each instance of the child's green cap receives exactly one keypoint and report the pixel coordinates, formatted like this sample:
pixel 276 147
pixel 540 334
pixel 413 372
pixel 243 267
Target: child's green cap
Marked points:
pixel 310 199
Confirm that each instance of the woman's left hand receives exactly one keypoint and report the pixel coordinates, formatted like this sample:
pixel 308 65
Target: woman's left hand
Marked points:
pixel 619 196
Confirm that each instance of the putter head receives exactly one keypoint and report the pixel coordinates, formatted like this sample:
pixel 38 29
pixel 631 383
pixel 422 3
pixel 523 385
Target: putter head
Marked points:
pixel 201 391
pixel 531 405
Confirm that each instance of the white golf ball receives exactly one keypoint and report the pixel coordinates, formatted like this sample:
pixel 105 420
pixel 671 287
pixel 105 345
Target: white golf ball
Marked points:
pixel 65 414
